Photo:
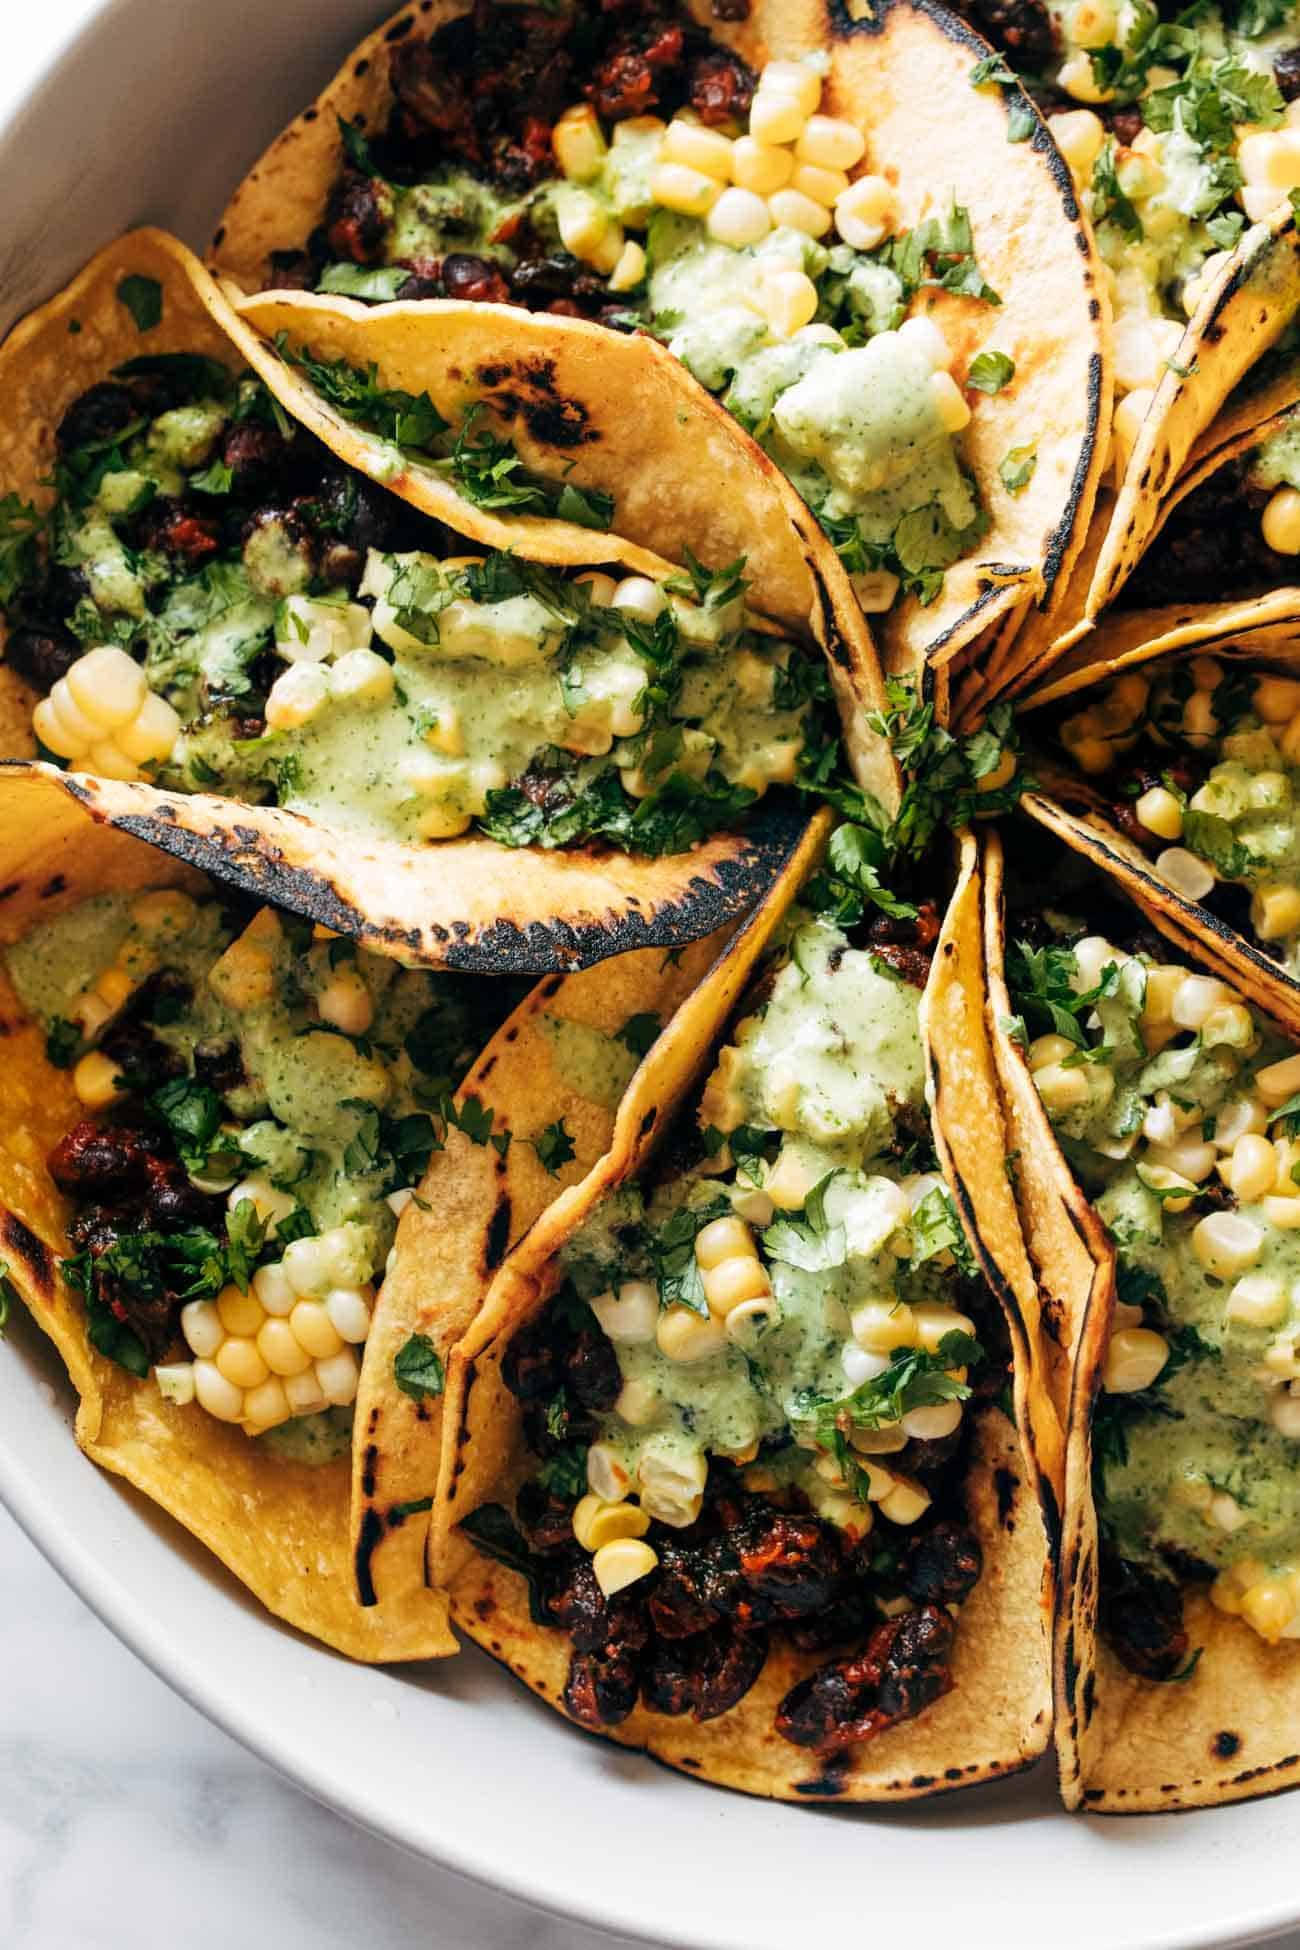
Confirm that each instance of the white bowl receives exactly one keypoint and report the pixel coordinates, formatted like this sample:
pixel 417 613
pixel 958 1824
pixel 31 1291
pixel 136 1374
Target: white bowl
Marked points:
pixel 149 110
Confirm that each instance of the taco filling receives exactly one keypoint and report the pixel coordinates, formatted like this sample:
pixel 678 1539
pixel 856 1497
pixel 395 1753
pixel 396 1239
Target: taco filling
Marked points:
pixel 215 603
pixel 259 1099
pixel 1180 134
pixel 681 193
pixel 1236 534
pixel 746 1403
pixel 1200 766
pixel 1175 1104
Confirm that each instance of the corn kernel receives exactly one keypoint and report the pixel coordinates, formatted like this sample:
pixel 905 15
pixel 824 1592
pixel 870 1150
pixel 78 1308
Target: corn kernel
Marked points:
pixel 202 1328
pixel 1134 1358
pixel 1092 23
pixel 108 761
pixel 760 167
pixel 775 116
pixel 739 217
pixel 107 685
pixel 630 268
pixel 579 143
pixel 1159 811
pixel 796 79
pixel 687 1336
pixel 1275 911
pixel 1226 1244
pixel 1251 1168
pixel 175 1380
pixel 906 1503
pixel 795 211
pixel 314 1331
pixel 239 1361
pixel 221 1398
pixel 266 1406
pixel 304 1393
pixel 349 1313
pixel 362 677
pixel 824 186
pixel 97 1080
pixel 1075 78
pixel 1278 1081
pixel 1269 1608
pixel 631 1314
pixel 789 300
pixel 346 1003
pixel 278 1346
pixel 675 186
pixel 150 735
pixel 1078 134
pixel 297 694
pixel 880 1328
pixel 596 1522
pixel 1270 159
pixel 949 402
pixel 338 1378
pixel 1280 522
pixel 706 150
pixel 733 1281
pixel 723 1239
pixel 622 1563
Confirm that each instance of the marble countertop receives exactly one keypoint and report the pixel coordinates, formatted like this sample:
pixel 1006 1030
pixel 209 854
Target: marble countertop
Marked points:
pixel 127 1822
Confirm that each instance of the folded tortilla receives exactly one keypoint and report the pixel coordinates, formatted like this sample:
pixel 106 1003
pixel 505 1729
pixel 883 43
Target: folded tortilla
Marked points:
pixel 468 902
pixel 281 1527
pixel 1227 1730
pixel 903 72
pixel 996 1718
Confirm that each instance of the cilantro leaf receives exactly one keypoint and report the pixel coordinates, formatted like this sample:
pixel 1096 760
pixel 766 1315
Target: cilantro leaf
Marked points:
pixel 418 1370
pixel 20 529
pixel 356 148
pixel 990 371
pixel 1016 467
pixel 554 1147
pixel 1213 839
pixel 376 284
pixel 143 298
pixel 62 1043
pixel 639 1033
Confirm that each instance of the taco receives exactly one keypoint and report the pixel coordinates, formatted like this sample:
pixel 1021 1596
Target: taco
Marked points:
pixel 210 1114
pixel 725 1474
pixel 1178 775
pixel 1182 141
pixel 1169 1096
pixel 773 197
pixel 247 651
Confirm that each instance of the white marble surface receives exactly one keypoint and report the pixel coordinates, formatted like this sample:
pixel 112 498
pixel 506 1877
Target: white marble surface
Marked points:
pixel 128 1823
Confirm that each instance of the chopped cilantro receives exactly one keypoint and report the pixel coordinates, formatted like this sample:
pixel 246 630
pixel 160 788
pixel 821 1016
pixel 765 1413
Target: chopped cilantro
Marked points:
pixel 143 298
pixel 62 1043
pixel 377 284
pixel 1213 839
pixel 990 372
pixel 1016 467
pixel 554 1147
pixel 417 1369
pixel 409 420
pixel 356 148
pixel 914 1379
pixel 20 529
pixel 639 1033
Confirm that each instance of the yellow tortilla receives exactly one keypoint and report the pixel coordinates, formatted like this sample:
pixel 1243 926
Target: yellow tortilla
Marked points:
pixel 996 1719
pixel 1230 1731
pixel 281 1527
pixel 902 71
pixel 469 902
pixel 474 1205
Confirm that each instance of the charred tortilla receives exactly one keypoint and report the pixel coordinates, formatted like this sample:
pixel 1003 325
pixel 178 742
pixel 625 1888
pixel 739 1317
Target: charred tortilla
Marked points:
pixel 904 76
pixel 198 525
pixel 981 1727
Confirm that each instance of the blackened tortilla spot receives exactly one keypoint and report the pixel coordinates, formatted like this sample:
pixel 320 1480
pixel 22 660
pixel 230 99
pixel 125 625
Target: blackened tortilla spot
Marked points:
pixel 551 987
pixel 1051 1511
pixel 14 887
pixel 1225 1745
pixel 310 114
pixel 953 1773
pixel 219 237
pixel 534 398
pixel 1089 1697
pixel 422 1411
pixel 1005 1484
pixel 368 1541
pixel 512 1034
pixel 372 1420
pixel 486 1070
pixel 498 1235
pixel 1094 308
pixel 922 1780
pixel 36 1257
pixel 400 28
pixel 368 1469
pixel 647 1123
pixel 1070 1664
pixel 829 1783
pixel 493 375
pixel 484 1607
pixel 54 885
pixel 1213 332
pixel 689 1760
pixel 362 69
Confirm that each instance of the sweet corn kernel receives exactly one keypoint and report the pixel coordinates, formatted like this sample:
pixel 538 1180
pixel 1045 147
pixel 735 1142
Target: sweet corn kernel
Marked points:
pixel 906 1503
pixel 304 1393
pixel 622 1563
pixel 61 726
pixel 1251 1168
pixel 640 598
pixel 934 1423
pixel 630 1315
pixel 579 143
pixel 686 1336
pixel 362 677
pixel 1278 1081
pixel 346 1003
pixel 789 300
pixel 279 1347
pixel 723 1239
pixel 338 1378
pixel 107 685
pixel 175 1380
pixel 202 1328
pixel 150 735
pixel 1135 1356
pixel 1061 1089
pixel 220 1397
pixel 296 696
pixel 1275 911
pixel 239 1361
pixel 266 1406
pixel 675 186
pixel 1159 811
pixel 1226 1244
pixel 314 1331
pixel 1276 699
pixel 1078 134
pixel 349 1313
pixel 795 211
pixel 630 268
pixel 1187 874
pixel 828 142
pixel 241 1313
pixel 775 116
pixel 1075 77
pixel 1270 159
pixel 760 167
pixel 596 1522
pixel 1285 1415
pixel 880 1328
pixel 864 212
pixel 97 1080
pixel 733 1281
pixel 949 402
pixel 1269 1607
pixel 706 150
pixel 739 217
pixel 822 185
pixel 1280 522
